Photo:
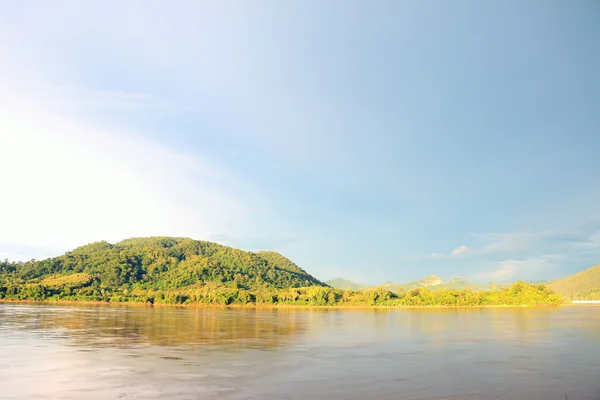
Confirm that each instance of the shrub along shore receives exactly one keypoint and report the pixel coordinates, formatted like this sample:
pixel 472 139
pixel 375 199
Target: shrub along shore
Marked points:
pixel 210 294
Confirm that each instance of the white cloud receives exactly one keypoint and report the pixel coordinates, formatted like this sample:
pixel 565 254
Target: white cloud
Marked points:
pixel 515 269
pixel 456 252
pixel 591 243
pixel 506 271
pixel 514 242
pixel 66 182
pixel 234 71
pixel 74 175
pixel 460 250
pixel 434 255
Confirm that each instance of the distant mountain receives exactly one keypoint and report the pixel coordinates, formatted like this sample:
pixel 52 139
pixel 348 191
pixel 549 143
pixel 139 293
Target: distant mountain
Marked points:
pixel 428 281
pixel 433 282
pixel 461 284
pixel 584 285
pixel 345 284
pixel 392 287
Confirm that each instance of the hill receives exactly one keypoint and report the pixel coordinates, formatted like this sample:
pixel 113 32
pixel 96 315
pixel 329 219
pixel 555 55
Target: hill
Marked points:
pixel 140 265
pixel 584 285
pixel 461 284
pixel 428 281
pixel 344 284
pixel 184 271
pixel 434 282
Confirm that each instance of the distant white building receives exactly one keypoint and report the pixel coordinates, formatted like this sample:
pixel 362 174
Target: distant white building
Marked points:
pixel 586 302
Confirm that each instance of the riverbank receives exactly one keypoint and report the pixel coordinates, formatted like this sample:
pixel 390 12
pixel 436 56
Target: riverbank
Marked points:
pixel 348 306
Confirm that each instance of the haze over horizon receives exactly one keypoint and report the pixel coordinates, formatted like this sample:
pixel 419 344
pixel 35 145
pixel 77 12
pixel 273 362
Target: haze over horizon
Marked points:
pixel 374 142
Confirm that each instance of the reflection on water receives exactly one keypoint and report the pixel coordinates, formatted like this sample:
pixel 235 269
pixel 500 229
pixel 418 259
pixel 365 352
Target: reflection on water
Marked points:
pixel 117 326
pixel 103 352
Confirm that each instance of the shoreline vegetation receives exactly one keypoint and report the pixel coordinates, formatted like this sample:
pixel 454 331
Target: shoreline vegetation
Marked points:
pixel 182 271
pixel 254 306
pixel 521 294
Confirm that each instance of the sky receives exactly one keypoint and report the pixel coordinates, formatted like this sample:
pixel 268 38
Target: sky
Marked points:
pixel 375 141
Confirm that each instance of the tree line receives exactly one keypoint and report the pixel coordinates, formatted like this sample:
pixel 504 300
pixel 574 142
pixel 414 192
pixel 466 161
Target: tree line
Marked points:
pixel 165 270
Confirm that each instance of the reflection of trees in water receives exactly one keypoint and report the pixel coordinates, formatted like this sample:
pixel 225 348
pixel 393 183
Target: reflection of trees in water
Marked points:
pixel 268 328
pixel 444 325
pixel 585 319
pixel 164 326
pixel 435 326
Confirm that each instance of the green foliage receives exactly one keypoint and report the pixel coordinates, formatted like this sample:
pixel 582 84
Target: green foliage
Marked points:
pixel 72 281
pixel 520 294
pixel 134 267
pixel 162 270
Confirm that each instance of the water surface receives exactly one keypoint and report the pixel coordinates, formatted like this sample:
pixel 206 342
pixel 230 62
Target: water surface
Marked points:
pixel 110 352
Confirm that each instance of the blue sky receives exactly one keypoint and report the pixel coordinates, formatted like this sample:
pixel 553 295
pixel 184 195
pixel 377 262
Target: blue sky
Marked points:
pixel 379 141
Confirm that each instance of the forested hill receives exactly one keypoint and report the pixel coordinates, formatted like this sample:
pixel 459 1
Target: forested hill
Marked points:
pixel 584 285
pixel 164 270
pixel 158 263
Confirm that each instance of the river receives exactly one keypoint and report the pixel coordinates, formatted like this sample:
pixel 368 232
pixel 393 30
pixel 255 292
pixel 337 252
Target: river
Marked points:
pixel 136 352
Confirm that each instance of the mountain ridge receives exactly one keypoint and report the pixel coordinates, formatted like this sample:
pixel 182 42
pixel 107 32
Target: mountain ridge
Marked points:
pixel 167 270
pixel 430 281
pixel 345 284
pixel 584 285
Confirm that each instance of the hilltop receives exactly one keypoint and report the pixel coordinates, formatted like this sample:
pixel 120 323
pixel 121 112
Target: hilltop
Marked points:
pixel 429 281
pixel 162 264
pixel 434 282
pixel 460 284
pixel 584 285
pixel 345 284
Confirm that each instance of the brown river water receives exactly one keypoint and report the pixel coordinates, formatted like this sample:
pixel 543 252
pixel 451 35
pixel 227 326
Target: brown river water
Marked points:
pixel 117 352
